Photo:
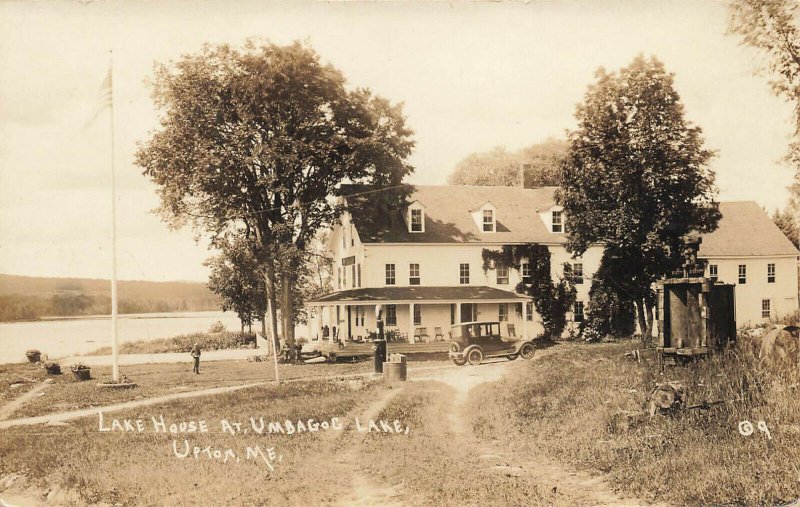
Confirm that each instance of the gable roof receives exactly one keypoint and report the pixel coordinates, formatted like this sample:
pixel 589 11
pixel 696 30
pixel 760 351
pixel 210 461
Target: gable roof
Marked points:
pixel 745 230
pixel 448 218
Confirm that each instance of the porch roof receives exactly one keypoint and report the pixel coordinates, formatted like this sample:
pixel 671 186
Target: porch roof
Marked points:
pixel 416 294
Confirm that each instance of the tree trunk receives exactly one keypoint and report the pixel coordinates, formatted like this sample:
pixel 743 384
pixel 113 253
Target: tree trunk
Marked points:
pixel 272 306
pixel 287 308
pixel 649 317
pixel 642 320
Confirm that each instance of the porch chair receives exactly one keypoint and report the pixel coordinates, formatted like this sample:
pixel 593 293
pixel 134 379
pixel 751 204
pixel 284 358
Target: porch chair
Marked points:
pixel 438 336
pixel 420 333
pixel 512 332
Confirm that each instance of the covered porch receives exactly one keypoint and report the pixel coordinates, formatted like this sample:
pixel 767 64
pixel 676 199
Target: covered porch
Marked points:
pixel 414 315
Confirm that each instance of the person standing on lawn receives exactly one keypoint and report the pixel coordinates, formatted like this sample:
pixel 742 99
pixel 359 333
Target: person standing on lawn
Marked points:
pixel 196 356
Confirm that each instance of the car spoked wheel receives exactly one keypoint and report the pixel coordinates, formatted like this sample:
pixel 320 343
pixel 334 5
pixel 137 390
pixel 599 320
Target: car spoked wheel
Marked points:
pixel 527 351
pixel 460 362
pixel 475 357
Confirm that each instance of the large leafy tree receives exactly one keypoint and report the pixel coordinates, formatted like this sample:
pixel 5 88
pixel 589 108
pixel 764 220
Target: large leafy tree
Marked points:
pixel 257 140
pixel 540 165
pixel 636 178
pixel 773 27
pixel 237 277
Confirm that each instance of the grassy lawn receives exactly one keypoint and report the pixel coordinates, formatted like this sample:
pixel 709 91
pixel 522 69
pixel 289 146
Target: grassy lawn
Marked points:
pixel 583 405
pixel 142 469
pixel 67 393
pixel 435 466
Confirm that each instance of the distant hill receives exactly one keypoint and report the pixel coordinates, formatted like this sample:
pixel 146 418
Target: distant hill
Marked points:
pixel 30 298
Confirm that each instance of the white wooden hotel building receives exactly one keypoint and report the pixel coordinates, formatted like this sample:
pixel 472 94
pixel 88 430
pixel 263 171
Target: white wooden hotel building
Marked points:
pixel 426 268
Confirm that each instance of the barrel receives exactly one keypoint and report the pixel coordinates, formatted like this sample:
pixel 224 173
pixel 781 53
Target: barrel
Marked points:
pixel 394 370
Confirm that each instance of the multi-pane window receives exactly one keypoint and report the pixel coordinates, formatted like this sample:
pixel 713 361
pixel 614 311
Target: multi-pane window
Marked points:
pixel 713 272
pixel 417 315
pixel 390 278
pixel 766 306
pixel 463 274
pixel 391 315
pixel 502 275
pixel 577 273
pixel 526 273
pixel 770 273
pixel 344 277
pixel 488 220
pixel 742 273
pixel 529 310
pixel 558 221
pixel 353 274
pixel 416 220
pixel 413 274
pixel 577 311
pixel 502 312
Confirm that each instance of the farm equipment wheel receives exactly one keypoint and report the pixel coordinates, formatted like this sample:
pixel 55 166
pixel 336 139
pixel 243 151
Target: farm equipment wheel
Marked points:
pixel 527 351
pixel 475 357
pixel 459 362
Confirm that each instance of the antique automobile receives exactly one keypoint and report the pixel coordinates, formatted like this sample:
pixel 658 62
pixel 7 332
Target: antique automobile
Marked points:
pixel 472 342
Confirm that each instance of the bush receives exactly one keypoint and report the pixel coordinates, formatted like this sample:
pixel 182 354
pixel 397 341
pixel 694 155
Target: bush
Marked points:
pixel 52 368
pixel 33 355
pixel 217 327
pixel 78 367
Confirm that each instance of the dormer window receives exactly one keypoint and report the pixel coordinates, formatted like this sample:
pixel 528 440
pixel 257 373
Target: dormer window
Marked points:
pixel 485 217
pixel 488 220
pixel 415 217
pixel 416 220
pixel 558 221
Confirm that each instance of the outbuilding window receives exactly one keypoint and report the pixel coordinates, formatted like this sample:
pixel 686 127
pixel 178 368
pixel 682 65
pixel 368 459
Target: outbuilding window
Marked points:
pixel 766 307
pixel 742 273
pixel 770 273
pixel 713 272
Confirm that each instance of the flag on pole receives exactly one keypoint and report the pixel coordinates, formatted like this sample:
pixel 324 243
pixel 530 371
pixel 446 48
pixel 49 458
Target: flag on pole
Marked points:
pixel 104 99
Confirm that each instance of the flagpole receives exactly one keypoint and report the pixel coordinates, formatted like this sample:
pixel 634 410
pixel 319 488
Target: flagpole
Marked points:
pixel 114 344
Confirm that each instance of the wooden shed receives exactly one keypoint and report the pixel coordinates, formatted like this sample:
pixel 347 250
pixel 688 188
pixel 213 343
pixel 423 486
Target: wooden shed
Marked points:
pixel 696 316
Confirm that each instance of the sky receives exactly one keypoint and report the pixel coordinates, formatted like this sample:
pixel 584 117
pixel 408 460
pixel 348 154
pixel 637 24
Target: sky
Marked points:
pixel 471 76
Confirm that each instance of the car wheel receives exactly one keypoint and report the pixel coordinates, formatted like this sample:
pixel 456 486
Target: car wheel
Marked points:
pixel 527 351
pixel 475 357
pixel 459 362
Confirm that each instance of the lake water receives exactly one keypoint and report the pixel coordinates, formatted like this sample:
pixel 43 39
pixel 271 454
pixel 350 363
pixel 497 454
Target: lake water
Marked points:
pixel 67 337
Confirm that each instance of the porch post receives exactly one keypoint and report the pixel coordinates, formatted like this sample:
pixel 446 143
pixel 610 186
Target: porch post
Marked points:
pixel 458 312
pixel 319 321
pixel 411 323
pixel 525 320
